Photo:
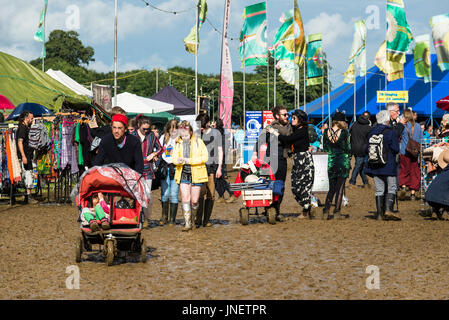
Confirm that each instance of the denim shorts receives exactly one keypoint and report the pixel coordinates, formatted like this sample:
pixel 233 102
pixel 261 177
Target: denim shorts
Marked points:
pixel 190 182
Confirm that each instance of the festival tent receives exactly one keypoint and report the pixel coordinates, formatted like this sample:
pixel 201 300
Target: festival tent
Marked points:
pixel 21 82
pixel 132 103
pixel 420 95
pixel 182 104
pixel 64 79
pixel 444 103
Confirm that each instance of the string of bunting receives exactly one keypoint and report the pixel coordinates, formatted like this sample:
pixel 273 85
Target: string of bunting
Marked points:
pixel 167 11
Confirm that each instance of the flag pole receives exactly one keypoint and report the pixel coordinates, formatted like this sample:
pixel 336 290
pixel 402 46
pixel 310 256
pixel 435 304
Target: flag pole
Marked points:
pixel 305 94
pixel 268 61
pixel 244 87
pixel 328 96
pixel 43 44
pixel 431 93
pixel 115 54
pixel 196 60
pixel 274 77
pixel 355 96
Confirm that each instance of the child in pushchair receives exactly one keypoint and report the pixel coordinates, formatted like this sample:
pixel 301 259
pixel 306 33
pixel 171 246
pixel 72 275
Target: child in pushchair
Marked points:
pixel 98 210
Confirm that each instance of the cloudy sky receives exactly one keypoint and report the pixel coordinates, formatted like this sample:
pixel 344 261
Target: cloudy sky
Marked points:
pixel 149 38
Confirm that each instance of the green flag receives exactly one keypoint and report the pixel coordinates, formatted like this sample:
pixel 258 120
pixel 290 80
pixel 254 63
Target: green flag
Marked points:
pixel 440 33
pixel 278 50
pixel 399 34
pixel 191 40
pixel 422 57
pixel 253 36
pixel 315 60
pixel 39 35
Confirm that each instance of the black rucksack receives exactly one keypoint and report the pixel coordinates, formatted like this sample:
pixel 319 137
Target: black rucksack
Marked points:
pixel 377 152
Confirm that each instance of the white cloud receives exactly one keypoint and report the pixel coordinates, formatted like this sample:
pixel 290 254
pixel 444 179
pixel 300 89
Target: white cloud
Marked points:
pixel 333 27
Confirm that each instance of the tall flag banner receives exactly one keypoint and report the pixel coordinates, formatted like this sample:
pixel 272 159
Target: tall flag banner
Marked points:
pixel 253 36
pixel 315 60
pixel 357 59
pixel 190 40
pixel 393 70
pixel 422 57
pixel 294 38
pixel 39 35
pixel 226 77
pixel 440 33
pixel 399 34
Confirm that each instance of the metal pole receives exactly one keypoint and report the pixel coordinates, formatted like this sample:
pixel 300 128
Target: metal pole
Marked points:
pixel 431 93
pixel 355 97
pixel 365 91
pixel 328 97
pixel 157 80
pixel 268 63
pixel 274 78
pixel 305 95
pixel 244 87
pixel 115 54
pixel 322 101
pixel 196 61
pixel 43 44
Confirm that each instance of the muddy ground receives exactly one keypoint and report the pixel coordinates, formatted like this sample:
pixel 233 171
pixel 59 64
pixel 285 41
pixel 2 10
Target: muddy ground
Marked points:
pixel 296 259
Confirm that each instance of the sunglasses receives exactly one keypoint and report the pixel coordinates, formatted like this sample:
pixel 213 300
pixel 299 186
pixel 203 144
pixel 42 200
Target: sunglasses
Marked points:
pixel 145 129
pixel 284 115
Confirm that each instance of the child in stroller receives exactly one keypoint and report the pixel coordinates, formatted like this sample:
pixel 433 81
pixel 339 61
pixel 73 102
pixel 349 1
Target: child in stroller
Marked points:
pixel 97 211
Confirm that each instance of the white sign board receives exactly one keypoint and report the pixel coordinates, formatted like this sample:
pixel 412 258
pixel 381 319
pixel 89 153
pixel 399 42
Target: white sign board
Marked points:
pixel 321 181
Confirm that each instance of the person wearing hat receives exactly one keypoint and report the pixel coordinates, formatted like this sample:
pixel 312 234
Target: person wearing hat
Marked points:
pixel 436 195
pixel 303 167
pixel 336 144
pixel 385 176
pixel 444 127
pixel 120 146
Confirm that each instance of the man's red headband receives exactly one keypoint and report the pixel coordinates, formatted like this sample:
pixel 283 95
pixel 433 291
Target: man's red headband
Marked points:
pixel 120 118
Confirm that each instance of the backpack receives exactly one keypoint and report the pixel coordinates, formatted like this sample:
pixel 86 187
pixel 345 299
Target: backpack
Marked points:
pixel 312 134
pixel 377 153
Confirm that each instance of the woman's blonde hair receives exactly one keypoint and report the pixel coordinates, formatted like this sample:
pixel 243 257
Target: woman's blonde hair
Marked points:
pixel 340 124
pixel 172 124
pixel 408 115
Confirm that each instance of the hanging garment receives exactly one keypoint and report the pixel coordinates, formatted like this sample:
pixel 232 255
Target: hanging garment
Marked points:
pixel 66 143
pixel 15 170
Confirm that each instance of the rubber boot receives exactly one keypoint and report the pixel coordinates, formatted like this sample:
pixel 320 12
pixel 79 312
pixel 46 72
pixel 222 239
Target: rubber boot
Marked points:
pixel 164 218
pixel 307 211
pixel 187 217
pixel 208 207
pixel 195 216
pixel 380 208
pixel 199 213
pixel 173 212
pixel 389 205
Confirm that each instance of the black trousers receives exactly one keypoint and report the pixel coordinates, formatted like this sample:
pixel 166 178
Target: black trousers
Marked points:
pixel 336 188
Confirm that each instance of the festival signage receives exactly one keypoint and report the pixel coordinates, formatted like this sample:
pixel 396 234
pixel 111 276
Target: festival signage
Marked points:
pixel 392 96
pixel 253 125
pixel 267 118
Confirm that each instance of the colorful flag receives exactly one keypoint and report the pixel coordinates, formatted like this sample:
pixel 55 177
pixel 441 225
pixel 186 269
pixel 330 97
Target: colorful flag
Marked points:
pixel 315 60
pixel 440 33
pixel 422 57
pixel 393 70
pixel 294 38
pixel 357 60
pixel 278 50
pixel 226 78
pixel 39 35
pixel 253 36
pixel 190 41
pixel 399 34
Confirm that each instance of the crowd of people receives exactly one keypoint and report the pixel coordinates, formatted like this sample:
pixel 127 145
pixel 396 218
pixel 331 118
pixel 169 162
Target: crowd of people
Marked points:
pixel 192 164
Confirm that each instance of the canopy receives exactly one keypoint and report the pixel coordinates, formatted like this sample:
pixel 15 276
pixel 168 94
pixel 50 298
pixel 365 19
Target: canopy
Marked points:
pixel 182 104
pixel 159 118
pixel 420 95
pixel 443 103
pixel 5 104
pixel 21 82
pixel 36 109
pixel 64 79
pixel 132 103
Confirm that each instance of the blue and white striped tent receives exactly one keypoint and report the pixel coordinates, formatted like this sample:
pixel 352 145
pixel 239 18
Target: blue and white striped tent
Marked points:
pixel 420 98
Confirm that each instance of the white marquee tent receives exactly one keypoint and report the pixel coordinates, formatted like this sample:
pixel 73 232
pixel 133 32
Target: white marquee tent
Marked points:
pixel 132 103
pixel 69 82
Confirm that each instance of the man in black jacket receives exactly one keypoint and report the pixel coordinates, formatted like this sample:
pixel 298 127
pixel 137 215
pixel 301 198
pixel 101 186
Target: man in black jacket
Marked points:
pixel 359 140
pixel 120 147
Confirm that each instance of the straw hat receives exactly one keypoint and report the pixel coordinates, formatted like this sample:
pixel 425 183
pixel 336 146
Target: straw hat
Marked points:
pixel 443 159
pixel 436 153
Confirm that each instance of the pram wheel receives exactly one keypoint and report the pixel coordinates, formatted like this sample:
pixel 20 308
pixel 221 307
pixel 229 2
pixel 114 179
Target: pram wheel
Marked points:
pixel 271 215
pixel 143 251
pixel 109 253
pixel 244 216
pixel 79 249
